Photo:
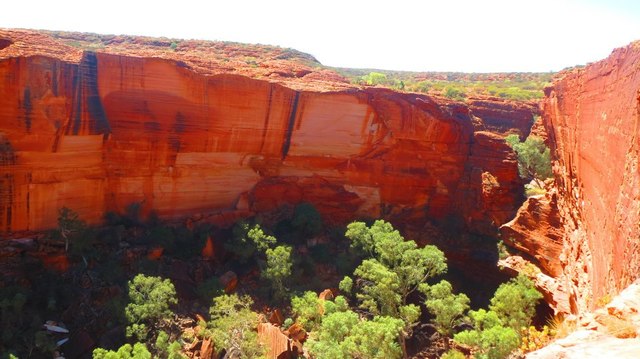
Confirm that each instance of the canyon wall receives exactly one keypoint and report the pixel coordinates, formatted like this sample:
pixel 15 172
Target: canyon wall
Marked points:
pixel 98 130
pixel 585 231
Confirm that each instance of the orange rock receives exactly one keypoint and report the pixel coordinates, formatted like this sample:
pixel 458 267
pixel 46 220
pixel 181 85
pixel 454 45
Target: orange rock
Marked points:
pixel 537 231
pixel 276 342
pixel 229 281
pixel 207 251
pixel 326 294
pixel 200 131
pixel 155 253
pixel 276 317
pixel 591 117
pixel 206 350
pixel 199 318
pixel 297 333
pixel 491 184
pixel 56 262
pixel 504 117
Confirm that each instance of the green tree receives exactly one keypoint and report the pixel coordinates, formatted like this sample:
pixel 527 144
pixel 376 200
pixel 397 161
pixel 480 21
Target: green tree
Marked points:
pixel 261 240
pixel 127 351
pixel 534 157
pixel 490 337
pixel 70 226
pixel 233 326
pixel 278 269
pixel 374 78
pixel 247 240
pixel 386 246
pixel 167 349
pixel 343 334
pixel 307 220
pixel 495 332
pixel 346 285
pixel 331 339
pixel 455 93
pixel 308 309
pixel 150 299
pixel 377 338
pixel 448 308
pixel 515 302
pixel 395 269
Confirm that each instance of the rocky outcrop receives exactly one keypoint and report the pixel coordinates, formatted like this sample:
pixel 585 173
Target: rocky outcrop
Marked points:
pixel 278 345
pixel 585 232
pixel 505 117
pixel 591 116
pixel 133 120
pixel 537 231
pixel 487 191
pixel 609 332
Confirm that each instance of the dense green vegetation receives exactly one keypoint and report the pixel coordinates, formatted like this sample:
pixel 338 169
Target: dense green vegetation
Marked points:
pixel 534 162
pixel 233 326
pixel 390 288
pixel 149 302
pixel 496 331
pixel 534 157
pixel 456 86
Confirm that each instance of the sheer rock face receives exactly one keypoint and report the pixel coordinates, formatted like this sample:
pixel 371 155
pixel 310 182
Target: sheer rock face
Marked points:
pixel 505 117
pixel 591 116
pixel 97 131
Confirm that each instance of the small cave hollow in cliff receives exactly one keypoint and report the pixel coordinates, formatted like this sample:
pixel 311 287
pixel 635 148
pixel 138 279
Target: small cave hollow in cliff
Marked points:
pixel 4 43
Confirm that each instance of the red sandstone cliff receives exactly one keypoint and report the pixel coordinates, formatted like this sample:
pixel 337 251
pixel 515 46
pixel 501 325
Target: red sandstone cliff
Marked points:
pixel 199 128
pixel 587 234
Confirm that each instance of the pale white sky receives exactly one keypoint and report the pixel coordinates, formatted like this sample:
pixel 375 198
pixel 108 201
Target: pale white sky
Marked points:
pixel 453 35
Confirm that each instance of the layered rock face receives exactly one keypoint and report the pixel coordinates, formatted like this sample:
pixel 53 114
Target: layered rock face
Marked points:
pixel 587 234
pixel 97 131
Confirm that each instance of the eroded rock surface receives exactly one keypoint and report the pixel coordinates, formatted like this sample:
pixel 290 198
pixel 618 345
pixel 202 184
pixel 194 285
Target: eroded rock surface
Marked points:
pixel 254 128
pixel 591 116
pixel 609 332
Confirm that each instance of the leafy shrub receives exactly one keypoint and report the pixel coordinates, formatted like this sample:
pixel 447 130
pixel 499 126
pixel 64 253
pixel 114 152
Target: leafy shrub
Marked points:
pixel 453 354
pixel 534 339
pixel 278 269
pixel 247 240
pixel 448 308
pixel 167 349
pixel 71 228
pixel 515 302
pixel 534 157
pixel 127 351
pixel 306 220
pixel 210 288
pixel 374 78
pixel 150 299
pixel 396 269
pixel 455 93
pixel 233 326
pixel 308 310
pixel 490 337
pixel 496 331
pixel 346 285
pixel 503 253
pixel 343 334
